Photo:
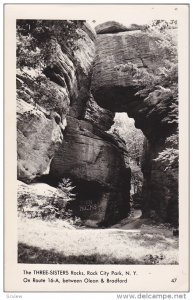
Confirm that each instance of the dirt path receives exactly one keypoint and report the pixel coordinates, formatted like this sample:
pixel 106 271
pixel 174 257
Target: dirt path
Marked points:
pixel 136 223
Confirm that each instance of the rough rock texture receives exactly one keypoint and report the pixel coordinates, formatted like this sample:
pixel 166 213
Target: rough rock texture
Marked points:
pixel 95 163
pixel 160 186
pixel 38 136
pixel 39 200
pixel 92 158
pixel 110 27
pixel 45 96
pixel 66 105
pixel 115 27
pixel 114 86
pixel 41 191
pixel 97 115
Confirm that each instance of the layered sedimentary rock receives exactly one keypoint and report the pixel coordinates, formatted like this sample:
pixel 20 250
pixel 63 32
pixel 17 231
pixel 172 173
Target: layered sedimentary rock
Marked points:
pixel 49 90
pixel 38 136
pixel 110 27
pixel 61 128
pixel 95 163
pixel 115 27
pixel 121 60
pixel 97 115
pixel 66 104
pixel 114 81
pixel 160 185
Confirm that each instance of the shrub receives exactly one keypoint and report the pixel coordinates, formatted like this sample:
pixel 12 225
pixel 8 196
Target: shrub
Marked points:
pixel 170 155
pixel 37 39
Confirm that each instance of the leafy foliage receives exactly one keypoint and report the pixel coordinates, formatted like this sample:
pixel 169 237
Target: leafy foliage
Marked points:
pixel 133 137
pixel 158 84
pixel 65 187
pixel 44 93
pixel 37 40
pixel 169 156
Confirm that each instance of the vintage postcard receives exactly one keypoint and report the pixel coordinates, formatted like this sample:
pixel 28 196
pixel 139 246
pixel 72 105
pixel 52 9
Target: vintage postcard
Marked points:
pixel 96 148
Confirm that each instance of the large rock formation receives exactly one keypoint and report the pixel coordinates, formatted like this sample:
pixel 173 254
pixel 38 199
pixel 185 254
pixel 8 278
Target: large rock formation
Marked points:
pixel 110 27
pixel 61 128
pixel 97 115
pixel 38 136
pixel 119 58
pixel 95 163
pixel 124 61
pixel 70 83
pixel 115 27
pixel 51 83
pixel 40 200
pixel 160 185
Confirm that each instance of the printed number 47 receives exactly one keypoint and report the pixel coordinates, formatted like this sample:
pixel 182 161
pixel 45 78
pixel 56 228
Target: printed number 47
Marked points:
pixel 174 280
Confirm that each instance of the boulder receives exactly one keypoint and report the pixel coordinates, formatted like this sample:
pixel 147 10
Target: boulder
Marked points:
pixel 95 163
pixel 116 27
pixel 97 115
pixel 38 136
pixel 110 27
pixel 40 200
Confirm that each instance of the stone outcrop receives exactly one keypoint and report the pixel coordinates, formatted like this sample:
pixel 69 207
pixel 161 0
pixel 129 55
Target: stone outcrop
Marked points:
pixel 110 27
pixel 97 115
pixel 40 200
pixel 66 106
pixel 38 136
pixel 115 86
pixel 45 96
pixel 160 185
pixel 120 60
pixel 115 27
pixel 95 163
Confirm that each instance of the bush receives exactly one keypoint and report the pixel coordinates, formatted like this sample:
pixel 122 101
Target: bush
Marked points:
pixel 170 155
pixel 37 39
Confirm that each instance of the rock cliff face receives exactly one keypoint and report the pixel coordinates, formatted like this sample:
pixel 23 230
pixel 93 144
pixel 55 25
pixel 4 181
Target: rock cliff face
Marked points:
pixel 121 58
pixel 47 93
pixel 38 136
pixel 160 186
pixel 114 82
pixel 61 128
pixel 95 163
pixel 116 27
pixel 97 115
pixel 68 90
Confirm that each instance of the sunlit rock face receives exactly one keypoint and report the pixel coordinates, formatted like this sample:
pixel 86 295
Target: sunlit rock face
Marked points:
pixel 38 136
pixel 46 96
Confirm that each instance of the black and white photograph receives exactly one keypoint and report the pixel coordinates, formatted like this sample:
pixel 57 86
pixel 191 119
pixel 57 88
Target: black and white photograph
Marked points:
pixel 97 140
